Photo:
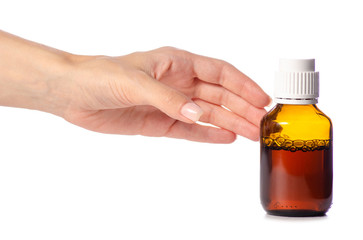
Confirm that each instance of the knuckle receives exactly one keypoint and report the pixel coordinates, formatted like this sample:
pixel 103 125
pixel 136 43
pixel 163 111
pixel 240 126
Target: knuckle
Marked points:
pixel 213 115
pixel 168 48
pixel 171 97
pixel 222 97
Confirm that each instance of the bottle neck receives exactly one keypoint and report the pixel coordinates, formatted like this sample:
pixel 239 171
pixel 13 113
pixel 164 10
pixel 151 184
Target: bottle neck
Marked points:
pixel 296 110
pixel 297 101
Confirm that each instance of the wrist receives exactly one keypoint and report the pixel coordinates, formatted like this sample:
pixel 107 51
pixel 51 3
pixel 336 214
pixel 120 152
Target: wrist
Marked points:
pixel 55 87
pixel 49 89
pixel 33 76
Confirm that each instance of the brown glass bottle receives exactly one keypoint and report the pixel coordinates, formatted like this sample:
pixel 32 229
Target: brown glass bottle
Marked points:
pixel 296 145
pixel 296 161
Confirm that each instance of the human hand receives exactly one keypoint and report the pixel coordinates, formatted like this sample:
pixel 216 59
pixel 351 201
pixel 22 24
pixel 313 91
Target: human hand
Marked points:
pixel 163 93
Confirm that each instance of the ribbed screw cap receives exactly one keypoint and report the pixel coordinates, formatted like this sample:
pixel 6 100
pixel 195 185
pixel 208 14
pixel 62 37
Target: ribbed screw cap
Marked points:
pixel 297 82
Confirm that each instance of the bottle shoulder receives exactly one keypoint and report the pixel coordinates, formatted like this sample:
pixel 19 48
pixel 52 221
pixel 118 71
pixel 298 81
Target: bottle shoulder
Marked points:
pixel 322 115
pixel 297 121
pixel 296 113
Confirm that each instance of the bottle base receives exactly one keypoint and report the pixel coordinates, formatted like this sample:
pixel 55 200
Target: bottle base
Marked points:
pixel 296 213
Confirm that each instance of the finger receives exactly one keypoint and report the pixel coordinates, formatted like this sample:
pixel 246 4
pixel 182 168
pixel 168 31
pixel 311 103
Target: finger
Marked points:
pixel 223 118
pixel 199 133
pixel 222 73
pixel 149 91
pixel 220 96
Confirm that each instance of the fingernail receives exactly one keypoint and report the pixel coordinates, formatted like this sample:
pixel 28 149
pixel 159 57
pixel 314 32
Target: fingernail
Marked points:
pixel 191 111
pixel 271 102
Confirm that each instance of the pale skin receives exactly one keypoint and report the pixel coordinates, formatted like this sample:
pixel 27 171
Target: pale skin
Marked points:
pixel 163 92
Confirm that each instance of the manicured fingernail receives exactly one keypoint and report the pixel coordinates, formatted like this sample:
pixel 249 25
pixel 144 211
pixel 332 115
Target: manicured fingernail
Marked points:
pixel 191 111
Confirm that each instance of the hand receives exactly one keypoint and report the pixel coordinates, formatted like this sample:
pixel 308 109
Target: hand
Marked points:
pixel 163 93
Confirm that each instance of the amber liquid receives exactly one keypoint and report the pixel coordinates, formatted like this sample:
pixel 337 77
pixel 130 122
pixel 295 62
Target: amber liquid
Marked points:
pixel 296 181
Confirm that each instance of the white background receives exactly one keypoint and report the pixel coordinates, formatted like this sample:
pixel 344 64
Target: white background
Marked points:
pixel 58 181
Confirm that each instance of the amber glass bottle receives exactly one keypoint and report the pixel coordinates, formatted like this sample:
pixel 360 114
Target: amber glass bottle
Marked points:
pixel 296 146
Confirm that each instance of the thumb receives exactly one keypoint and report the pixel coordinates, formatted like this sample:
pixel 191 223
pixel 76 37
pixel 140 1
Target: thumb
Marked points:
pixel 168 100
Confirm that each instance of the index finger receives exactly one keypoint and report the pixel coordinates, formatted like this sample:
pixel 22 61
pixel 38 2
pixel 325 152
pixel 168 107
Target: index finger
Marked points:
pixel 223 73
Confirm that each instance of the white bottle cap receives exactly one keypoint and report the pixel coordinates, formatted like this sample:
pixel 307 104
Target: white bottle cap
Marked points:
pixel 297 82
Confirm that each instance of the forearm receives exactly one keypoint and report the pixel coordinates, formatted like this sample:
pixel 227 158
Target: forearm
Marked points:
pixel 33 76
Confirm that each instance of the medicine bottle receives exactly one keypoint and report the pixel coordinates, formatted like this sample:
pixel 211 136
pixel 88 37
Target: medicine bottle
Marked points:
pixel 296 174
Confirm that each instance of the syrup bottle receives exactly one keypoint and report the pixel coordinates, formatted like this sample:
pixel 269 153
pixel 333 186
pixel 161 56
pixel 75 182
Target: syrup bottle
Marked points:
pixel 296 145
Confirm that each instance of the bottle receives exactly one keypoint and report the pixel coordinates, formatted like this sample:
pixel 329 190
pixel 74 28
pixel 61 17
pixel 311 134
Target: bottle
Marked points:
pixel 296 174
